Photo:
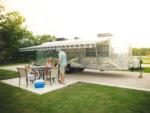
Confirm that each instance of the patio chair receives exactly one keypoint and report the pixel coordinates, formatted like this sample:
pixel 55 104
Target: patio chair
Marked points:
pixel 22 72
pixel 52 74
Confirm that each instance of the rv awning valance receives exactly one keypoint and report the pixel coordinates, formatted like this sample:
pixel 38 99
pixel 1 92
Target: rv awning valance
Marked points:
pixel 67 44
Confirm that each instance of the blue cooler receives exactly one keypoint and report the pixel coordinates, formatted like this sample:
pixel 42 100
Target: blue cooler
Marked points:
pixel 39 83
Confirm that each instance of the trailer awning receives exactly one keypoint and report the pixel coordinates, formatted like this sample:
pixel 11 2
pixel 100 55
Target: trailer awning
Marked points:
pixel 67 44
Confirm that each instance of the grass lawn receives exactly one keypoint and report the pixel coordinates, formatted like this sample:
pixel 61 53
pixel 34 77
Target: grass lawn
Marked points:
pixel 146 70
pixel 6 74
pixel 146 60
pixel 77 98
pixel 12 64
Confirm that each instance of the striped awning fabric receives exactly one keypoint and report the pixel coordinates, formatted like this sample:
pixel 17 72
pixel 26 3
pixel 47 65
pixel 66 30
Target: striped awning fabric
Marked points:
pixel 67 44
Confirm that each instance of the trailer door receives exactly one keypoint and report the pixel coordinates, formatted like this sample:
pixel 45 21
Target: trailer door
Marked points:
pixel 89 59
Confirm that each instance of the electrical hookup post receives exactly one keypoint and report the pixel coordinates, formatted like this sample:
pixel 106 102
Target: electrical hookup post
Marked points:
pixel 137 66
pixel 141 69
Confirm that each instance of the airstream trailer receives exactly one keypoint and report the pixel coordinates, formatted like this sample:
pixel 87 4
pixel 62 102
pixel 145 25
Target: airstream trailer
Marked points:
pixel 100 54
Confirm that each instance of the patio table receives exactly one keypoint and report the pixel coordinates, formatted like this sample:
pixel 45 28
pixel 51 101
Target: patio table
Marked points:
pixel 41 70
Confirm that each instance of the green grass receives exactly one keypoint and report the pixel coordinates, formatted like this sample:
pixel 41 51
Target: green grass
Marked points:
pixel 146 60
pixel 6 74
pixel 77 98
pixel 146 70
pixel 12 64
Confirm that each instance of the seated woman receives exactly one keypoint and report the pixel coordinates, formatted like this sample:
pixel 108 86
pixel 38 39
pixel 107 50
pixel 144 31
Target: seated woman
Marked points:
pixel 48 65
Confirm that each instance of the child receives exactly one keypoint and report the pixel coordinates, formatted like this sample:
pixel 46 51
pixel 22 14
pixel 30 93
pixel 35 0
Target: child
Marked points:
pixel 48 63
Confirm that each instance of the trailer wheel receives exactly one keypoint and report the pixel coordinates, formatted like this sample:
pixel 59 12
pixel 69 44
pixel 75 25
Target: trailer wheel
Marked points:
pixel 81 69
pixel 68 69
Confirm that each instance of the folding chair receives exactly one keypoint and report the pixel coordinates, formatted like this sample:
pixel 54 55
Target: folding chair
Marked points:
pixel 54 73
pixel 22 72
pixel 51 74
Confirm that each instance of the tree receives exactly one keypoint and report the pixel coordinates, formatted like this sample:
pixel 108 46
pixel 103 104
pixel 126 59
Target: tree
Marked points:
pixel 12 35
pixel 39 39
pixel 140 51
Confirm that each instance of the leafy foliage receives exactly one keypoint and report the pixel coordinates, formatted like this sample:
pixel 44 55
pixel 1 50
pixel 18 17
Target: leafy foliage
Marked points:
pixel 13 35
pixel 39 39
pixel 141 51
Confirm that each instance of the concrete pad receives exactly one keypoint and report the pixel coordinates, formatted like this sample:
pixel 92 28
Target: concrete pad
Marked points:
pixel 46 89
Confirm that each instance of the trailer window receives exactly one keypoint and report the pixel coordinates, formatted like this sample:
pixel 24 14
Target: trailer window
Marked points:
pixel 103 50
pixel 41 56
pixel 90 52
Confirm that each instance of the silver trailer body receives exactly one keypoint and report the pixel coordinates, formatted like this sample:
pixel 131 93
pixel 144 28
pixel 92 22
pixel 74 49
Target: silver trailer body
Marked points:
pixel 100 54
pixel 104 55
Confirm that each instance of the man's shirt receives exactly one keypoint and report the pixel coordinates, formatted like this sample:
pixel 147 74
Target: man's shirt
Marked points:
pixel 62 58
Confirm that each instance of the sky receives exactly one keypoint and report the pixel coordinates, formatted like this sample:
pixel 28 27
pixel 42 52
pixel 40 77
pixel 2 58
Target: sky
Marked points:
pixel 128 20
